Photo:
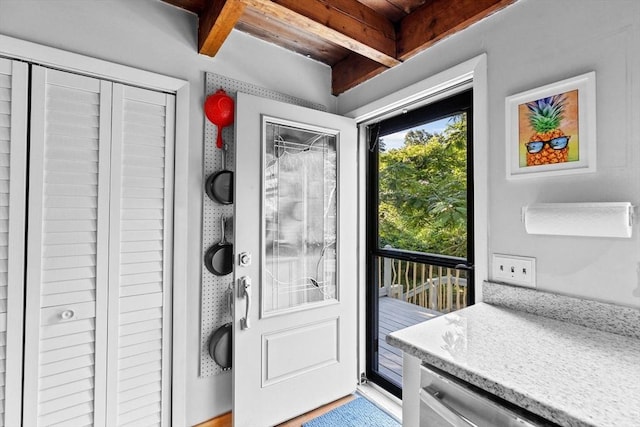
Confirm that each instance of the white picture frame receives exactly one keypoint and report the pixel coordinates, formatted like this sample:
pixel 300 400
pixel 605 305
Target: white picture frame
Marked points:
pixel 574 102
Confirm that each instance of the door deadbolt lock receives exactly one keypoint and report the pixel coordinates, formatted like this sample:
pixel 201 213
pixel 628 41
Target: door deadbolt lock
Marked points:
pixel 245 259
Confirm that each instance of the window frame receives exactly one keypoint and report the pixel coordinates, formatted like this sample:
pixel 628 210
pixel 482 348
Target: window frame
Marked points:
pixel 442 108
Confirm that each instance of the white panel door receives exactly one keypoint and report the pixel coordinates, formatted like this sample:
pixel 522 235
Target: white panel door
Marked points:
pixel 140 258
pixel 13 143
pixel 67 254
pixel 295 311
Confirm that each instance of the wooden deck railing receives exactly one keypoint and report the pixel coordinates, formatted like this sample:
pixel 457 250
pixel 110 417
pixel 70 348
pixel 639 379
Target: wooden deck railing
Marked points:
pixel 437 288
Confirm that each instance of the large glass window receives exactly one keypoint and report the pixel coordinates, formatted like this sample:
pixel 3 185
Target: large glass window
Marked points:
pixel 420 216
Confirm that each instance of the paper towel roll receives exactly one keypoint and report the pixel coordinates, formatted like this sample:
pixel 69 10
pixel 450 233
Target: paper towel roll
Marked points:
pixel 579 219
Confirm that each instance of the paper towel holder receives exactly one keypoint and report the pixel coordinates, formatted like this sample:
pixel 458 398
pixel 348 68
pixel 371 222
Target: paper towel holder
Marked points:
pixel 599 219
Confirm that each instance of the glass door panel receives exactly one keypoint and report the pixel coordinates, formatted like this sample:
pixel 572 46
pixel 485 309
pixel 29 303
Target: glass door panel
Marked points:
pixel 300 224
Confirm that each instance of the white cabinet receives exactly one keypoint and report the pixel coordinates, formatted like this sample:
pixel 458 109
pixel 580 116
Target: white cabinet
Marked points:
pixel 97 319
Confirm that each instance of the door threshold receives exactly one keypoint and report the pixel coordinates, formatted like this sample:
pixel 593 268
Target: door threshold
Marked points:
pixel 382 398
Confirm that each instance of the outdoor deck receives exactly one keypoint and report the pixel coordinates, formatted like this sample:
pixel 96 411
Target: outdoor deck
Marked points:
pixel 396 314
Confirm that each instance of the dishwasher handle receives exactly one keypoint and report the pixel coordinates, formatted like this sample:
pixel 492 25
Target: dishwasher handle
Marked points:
pixel 432 399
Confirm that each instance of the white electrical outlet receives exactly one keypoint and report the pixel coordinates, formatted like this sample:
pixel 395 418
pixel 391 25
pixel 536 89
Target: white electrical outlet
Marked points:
pixel 517 270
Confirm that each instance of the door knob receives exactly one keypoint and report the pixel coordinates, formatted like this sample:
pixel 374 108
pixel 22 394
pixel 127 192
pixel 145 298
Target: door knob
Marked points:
pixel 67 315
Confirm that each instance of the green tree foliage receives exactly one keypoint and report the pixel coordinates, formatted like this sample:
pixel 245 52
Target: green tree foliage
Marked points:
pixel 423 188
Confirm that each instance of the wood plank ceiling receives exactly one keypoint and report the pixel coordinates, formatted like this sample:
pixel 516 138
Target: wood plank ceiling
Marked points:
pixel 359 39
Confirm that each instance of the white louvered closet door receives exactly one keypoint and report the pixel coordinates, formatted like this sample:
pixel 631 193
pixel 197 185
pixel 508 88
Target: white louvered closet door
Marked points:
pixel 140 257
pixel 98 322
pixel 67 252
pixel 13 143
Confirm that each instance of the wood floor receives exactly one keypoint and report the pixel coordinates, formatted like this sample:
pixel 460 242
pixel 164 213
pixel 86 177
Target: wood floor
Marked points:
pixel 395 314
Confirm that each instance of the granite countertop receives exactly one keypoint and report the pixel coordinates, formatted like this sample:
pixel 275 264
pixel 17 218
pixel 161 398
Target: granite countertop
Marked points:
pixel 570 374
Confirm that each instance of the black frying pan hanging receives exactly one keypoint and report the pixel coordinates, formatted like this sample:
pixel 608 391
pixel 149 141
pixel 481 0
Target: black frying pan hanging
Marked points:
pixel 220 342
pixel 219 258
pixel 219 185
pixel 220 346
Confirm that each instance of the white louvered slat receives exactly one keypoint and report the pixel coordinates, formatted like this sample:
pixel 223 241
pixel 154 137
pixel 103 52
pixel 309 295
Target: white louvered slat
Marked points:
pixel 68 328
pixel 71 340
pixel 68 401
pixel 67 365
pixel 53 239
pixel 66 353
pixel 13 142
pixel 136 393
pixel 68 388
pixel 67 414
pixel 76 190
pixel 139 359
pixel 68 248
pixel 140 338
pixel 139 251
pixel 72 177
pixel 146 347
pixel 140 402
pixel 141 289
pixel 134 328
pixel 82 421
pixel 141 315
pixel 140 415
pixel 66 298
pixel 68 286
pixel 147 378
pixel 58 275
pixel 55 262
pixel 139 371
pixel 135 257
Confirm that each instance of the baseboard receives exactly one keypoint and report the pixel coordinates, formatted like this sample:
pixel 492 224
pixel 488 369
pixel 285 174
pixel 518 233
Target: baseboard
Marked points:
pixel 223 420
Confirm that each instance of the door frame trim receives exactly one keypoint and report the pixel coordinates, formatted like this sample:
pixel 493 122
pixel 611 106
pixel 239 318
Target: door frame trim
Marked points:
pixel 468 74
pixel 47 56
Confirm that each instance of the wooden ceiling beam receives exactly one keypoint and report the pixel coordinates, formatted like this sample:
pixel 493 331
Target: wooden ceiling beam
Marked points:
pixel 419 30
pixel 322 19
pixel 216 22
pixel 351 71
pixel 195 6
pixel 290 38
pixel 438 19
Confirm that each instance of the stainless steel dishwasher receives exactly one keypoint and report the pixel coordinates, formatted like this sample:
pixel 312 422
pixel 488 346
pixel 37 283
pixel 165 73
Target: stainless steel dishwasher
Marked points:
pixel 446 401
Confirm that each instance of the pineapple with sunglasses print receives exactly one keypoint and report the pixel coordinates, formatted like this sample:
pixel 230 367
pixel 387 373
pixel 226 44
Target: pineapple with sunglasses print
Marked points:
pixel 549 144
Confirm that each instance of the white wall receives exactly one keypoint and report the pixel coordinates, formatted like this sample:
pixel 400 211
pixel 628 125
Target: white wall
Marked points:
pixel 529 44
pixel 154 36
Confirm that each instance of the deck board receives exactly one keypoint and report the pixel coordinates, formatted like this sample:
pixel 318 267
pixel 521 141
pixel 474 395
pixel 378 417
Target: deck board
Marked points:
pixel 393 315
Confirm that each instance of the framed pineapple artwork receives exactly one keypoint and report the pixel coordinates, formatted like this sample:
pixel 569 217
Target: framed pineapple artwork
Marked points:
pixel 551 130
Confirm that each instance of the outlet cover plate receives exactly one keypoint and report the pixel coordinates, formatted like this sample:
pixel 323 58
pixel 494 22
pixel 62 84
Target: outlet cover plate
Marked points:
pixel 513 269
